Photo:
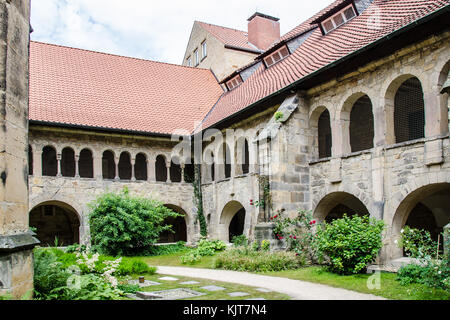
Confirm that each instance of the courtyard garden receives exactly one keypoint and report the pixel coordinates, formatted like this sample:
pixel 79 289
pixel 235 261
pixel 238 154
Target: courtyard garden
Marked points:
pixel 122 261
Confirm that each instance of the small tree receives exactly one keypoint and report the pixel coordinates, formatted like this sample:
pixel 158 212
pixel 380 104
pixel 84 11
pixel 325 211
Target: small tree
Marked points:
pixel 122 224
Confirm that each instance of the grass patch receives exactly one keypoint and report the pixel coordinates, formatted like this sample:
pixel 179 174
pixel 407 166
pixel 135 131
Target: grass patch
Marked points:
pixel 210 295
pixel 389 287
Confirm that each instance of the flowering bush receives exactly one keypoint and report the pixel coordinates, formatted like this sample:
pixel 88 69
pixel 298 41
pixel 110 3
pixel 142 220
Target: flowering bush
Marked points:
pixel 350 243
pixel 204 248
pixel 298 233
pixel 417 243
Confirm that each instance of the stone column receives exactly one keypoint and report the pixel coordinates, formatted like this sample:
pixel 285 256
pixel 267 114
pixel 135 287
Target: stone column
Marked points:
pixel 16 241
pixel 37 162
pixel 98 166
pixel 133 174
pixel 58 165
pixel 77 166
pixel 182 166
pixel 151 177
pixel 116 162
pixel 168 172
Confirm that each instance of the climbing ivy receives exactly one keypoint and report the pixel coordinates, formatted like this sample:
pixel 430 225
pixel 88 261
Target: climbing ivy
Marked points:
pixel 198 198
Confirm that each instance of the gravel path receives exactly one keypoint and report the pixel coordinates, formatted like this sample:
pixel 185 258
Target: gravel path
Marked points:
pixel 296 289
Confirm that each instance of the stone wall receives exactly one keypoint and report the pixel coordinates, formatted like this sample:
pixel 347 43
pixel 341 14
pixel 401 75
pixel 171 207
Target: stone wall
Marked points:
pixel 16 260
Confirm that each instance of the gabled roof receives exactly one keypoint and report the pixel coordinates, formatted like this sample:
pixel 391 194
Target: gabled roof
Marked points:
pixel 230 37
pixel 318 51
pixel 97 90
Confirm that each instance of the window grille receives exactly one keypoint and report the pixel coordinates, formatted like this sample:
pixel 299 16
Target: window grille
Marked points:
pixel 324 129
pixel 361 125
pixel 409 112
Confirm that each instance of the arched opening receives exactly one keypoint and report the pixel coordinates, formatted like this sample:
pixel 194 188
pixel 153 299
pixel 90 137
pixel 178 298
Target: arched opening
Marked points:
pixel 232 221
pixel 125 166
pixel 179 226
pixel 409 111
pixel 426 208
pixel 160 169
pixel 68 162
pixel 224 161
pixel 324 135
pixel 49 162
pixel 175 170
pixel 56 223
pixel 85 164
pixel 243 155
pixel 189 171
pixel 334 205
pixel 140 167
pixel 361 125
pixel 30 160
pixel 108 165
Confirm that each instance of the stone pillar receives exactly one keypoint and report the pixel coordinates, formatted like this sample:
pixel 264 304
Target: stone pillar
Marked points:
pixel 16 241
pixel 133 174
pixel 151 176
pixel 37 162
pixel 77 166
pixel 58 165
pixel 116 163
pixel 182 166
pixel 98 166
pixel 168 172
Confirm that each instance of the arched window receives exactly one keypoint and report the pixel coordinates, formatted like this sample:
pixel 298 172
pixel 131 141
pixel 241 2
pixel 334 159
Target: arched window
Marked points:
pixel 226 160
pixel 85 164
pixel 161 169
pixel 49 162
pixel 324 132
pixel 189 171
pixel 175 170
pixel 108 165
pixel 409 112
pixel 68 162
pixel 125 166
pixel 140 167
pixel 243 155
pixel 361 125
pixel 30 160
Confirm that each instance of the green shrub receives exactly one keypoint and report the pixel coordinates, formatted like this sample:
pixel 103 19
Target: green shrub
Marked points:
pixel 435 274
pixel 123 225
pixel 239 241
pixel 159 250
pixel 350 243
pixel 245 259
pixel 417 243
pixel 204 248
pixel 128 288
pixel 130 266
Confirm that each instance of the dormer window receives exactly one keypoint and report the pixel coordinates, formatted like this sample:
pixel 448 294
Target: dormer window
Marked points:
pixel 189 62
pixel 204 50
pixel 233 83
pixel 338 19
pixel 197 59
pixel 276 56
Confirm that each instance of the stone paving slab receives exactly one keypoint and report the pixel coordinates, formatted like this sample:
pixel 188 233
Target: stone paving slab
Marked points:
pixel 213 288
pixel 189 282
pixel 168 279
pixel 238 294
pixel 263 290
pixel 147 283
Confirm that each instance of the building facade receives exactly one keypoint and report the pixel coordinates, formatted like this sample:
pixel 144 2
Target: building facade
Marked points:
pixel 347 113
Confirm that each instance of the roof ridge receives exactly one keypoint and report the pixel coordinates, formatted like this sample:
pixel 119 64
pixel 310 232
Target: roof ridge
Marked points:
pixel 216 25
pixel 118 55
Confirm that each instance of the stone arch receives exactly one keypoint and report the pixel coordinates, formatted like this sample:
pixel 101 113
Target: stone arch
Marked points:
pixel 444 105
pixel 179 226
pixel 49 161
pixel 430 198
pixel 68 162
pixel 161 168
pixel 390 90
pixel 357 122
pixel 86 163
pixel 320 124
pixel 56 219
pixel 336 203
pixel 140 167
pixel 232 220
pixel 124 166
pixel 109 164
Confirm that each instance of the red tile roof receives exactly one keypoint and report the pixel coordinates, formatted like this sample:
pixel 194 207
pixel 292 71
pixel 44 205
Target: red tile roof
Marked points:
pixel 85 88
pixel 319 50
pixel 228 36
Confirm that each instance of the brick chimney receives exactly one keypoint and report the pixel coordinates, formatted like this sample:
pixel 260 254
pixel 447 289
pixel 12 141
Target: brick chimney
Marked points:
pixel 263 30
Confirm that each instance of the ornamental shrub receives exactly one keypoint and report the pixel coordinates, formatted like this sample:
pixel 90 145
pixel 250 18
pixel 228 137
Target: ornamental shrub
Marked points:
pixel 350 244
pixel 204 248
pixel 124 225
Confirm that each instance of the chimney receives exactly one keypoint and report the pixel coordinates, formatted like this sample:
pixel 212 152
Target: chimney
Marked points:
pixel 263 30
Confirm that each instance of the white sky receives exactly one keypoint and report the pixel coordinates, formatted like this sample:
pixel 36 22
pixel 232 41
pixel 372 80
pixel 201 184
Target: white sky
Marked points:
pixel 150 29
